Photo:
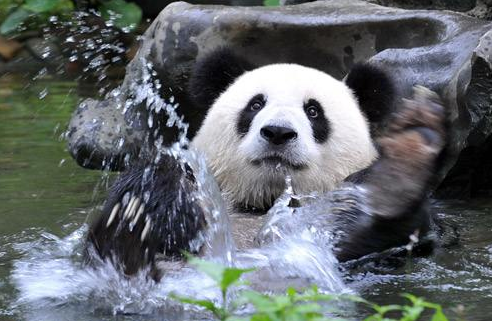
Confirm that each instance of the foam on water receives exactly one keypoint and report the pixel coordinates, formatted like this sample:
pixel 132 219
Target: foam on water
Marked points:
pixel 52 273
pixel 50 276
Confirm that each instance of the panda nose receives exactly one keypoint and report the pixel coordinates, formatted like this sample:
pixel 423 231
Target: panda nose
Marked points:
pixel 278 135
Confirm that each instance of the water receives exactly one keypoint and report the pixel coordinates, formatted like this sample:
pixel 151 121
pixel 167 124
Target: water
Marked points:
pixel 45 199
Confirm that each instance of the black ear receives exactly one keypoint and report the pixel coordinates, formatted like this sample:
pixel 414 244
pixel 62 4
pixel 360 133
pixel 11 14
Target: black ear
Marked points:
pixel 213 73
pixel 374 90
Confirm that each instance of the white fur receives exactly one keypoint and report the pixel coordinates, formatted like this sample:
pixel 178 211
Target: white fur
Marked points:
pixel 286 87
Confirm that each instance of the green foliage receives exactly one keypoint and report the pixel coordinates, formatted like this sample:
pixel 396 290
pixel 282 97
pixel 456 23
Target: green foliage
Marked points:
pixel 309 305
pixel 224 278
pixel 271 3
pixel 36 10
pixel 14 20
pixel 291 306
pixel 47 6
pixel 406 312
pixel 123 14
pixel 17 13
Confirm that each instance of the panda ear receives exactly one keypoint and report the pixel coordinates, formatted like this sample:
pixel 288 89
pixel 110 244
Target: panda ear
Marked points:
pixel 213 73
pixel 374 90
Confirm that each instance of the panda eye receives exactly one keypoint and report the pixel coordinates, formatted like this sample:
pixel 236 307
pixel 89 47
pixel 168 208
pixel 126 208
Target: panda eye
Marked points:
pixel 312 108
pixel 312 111
pixel 256 103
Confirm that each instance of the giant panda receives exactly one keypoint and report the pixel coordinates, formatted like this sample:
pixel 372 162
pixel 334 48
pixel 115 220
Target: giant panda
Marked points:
pixel 264 124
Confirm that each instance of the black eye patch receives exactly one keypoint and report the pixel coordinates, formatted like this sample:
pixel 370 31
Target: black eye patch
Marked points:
pixel 319 123
pixel 248 113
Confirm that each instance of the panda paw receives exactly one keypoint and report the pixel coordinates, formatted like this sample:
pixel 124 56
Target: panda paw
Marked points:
pixel 417 133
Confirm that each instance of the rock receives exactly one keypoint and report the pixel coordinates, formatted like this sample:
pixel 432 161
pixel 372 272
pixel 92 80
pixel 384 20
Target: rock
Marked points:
pixel 445 51
pixel 475 8
pixel 482 10
pixel 455 5
pixel 103 135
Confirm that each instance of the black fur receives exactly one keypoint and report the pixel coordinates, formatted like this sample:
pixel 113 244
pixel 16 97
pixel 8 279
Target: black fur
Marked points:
pixel 365 233
pixel 176 218
pixel 319 124
pixel 248 114
pixel 375 92
pixel 213 74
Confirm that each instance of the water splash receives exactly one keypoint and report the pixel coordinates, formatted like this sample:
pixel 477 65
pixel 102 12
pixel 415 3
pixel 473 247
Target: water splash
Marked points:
pixel 49 277
pixel 52 273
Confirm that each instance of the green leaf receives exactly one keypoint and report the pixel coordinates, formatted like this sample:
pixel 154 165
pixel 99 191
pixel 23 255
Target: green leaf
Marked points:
pixel 224 277
pixel 231 276
pixel 439 316
pixel 262 303
pixel 213 270
pixel 123 14
pixel 412 313
pixel 40 6
pixel 64 6
pixel 282 301
pixel 313 308
pixel 14 20
pixel 209 305
pixel 271 3
pixel 261 317
pixel 387 308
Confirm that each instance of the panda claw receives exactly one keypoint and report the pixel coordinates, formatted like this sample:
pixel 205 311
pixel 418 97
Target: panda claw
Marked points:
pixel 145 230
pixel 139 212
pixel 114 211
pixel 131 207
pixel 128 207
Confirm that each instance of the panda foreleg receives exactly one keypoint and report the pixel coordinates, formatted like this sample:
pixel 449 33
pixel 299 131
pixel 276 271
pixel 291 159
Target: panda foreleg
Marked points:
pixel 388 206
pixel 149 212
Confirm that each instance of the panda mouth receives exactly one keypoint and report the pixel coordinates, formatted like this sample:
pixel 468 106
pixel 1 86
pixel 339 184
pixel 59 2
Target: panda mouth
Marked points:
pixel 277 161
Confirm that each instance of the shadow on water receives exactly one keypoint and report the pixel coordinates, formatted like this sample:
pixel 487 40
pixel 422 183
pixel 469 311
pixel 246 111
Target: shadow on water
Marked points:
pixel 45 199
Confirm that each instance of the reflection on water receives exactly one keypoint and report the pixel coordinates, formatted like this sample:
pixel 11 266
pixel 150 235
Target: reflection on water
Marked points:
pixel 45 199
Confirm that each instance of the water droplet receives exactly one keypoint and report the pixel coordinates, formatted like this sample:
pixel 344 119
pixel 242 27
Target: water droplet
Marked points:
pixel 40 74
pixel 43 93
pixel 121 141
pixel 150 121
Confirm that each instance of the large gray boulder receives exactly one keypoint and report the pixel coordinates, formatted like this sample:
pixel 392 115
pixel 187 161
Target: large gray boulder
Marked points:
pixel 447 52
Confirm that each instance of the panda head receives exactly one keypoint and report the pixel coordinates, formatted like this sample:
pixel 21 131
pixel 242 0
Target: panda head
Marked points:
pixel 285 119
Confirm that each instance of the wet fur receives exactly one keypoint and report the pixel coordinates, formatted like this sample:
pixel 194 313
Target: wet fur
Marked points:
pixel 172 217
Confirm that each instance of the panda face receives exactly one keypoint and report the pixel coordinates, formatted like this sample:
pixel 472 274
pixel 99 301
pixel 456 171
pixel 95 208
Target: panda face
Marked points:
pixel 279 120
pixel 280 133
